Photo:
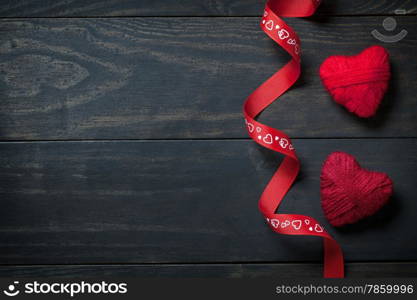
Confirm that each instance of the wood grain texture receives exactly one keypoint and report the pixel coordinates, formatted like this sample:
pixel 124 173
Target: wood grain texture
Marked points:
pixel 169 78
pixel 80 8
pixel 242 270
pixel 186 202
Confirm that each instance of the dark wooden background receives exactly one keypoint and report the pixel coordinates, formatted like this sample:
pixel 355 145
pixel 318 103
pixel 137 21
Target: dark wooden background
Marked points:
pixel 123 149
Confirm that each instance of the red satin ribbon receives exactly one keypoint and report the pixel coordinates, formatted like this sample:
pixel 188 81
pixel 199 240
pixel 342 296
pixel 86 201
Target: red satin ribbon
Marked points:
pixel 278 141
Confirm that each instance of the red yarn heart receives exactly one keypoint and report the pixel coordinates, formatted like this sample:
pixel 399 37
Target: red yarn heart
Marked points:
pixel 350 193
pixel 358 82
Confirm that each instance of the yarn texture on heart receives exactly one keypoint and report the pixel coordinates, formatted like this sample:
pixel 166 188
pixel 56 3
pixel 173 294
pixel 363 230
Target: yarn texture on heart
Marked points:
pixel 350 193
pixel 358 82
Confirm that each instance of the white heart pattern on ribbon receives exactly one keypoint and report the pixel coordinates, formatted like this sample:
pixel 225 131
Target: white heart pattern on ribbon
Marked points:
pixel 251 127
pixel 283 143
pixel 283 34
pixel 269 25
pixel 297 49
pixel 318 228
pixel 275 223
pixel 296 224
pixel 285 224
pixel 268 139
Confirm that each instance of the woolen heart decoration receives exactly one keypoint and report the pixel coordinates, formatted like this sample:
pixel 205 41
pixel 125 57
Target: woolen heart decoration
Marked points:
pixel 350 193
pixel 358 82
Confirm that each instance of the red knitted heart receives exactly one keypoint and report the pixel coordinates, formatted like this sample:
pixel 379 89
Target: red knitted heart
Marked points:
pixel 350 193
pixel 358 82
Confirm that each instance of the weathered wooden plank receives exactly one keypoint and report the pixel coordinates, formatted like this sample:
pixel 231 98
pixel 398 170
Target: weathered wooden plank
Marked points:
pixel 185 202
pixel 234 270
pixel 79 8
pixel 158 78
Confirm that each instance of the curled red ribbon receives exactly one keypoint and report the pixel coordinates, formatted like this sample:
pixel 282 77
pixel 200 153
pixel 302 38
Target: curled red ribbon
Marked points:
pixel 278 141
